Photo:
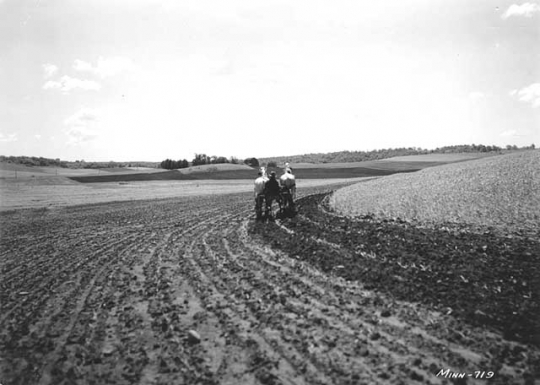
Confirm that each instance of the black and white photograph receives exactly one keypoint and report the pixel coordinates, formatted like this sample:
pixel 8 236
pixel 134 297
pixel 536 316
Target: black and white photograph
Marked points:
pixel 247 192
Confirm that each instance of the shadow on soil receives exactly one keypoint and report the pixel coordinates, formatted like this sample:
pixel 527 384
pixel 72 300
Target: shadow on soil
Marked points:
pixel 483 278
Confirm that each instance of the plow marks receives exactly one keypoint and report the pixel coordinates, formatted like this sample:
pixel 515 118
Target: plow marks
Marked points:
pixel 181 291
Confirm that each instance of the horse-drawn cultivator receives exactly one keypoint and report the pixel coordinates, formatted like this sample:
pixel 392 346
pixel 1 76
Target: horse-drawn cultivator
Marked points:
pixel 265 205
pixel 283 196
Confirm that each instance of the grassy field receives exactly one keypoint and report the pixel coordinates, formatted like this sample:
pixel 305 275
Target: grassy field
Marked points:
pixel 235 171
pixel 19 171
pixel 444 158
pixel 205 168
pixel 59 191
pixel 250 173
pixel 399 163
pixel 502 192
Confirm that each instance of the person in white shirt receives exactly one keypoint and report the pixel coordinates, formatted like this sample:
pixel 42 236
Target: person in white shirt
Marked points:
pixel 259 184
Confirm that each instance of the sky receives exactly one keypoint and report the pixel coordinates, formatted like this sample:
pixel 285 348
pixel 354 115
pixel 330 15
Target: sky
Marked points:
pixel 144 80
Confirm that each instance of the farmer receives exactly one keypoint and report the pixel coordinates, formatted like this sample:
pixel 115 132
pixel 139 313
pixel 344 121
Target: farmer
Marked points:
pixel 287 167
pixel 271 191
pixel 262 170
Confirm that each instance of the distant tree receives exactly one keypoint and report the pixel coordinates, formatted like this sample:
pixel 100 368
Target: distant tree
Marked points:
pixel 165 164
pixel 169 164
pixel 200 159
pixel 221 160
pixel 252 162
pixel 234 160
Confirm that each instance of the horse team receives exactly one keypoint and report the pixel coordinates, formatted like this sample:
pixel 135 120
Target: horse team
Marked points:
pixel 269 189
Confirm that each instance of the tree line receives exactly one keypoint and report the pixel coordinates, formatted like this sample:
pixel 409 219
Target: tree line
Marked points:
pixel 360 156
pixel 203 159
pixel 34 161
pixel 198 160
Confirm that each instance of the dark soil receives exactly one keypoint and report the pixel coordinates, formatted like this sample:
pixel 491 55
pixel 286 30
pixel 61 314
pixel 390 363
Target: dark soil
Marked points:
pixel 193 290
pixel 480 276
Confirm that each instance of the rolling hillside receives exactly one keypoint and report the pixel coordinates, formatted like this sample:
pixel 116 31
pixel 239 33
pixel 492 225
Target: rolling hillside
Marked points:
pixel 502 191
pixel 308 173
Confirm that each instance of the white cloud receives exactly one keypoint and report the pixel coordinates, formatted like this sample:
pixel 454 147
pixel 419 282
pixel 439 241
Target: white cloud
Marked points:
pixel 82 117
pixel 49 70
pixel 82 66
pixel 37 136
pixel 526 10
pixel 105 67
pixel 8 138
pixel 67 84
pixel 529 94
pixel 80 126
pixel 476 96
pixel 78 135
pixel 508 133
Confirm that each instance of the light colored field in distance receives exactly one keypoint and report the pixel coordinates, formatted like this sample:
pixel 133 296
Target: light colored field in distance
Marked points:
pixel 142 168
pixel 440 157
pixel 34 194
pixel 214 167
pixel 129 170
pixel 17 171
pixel 372 164
pixel 501 191
pixel 367 164
pixel 46 172
pixel 397 163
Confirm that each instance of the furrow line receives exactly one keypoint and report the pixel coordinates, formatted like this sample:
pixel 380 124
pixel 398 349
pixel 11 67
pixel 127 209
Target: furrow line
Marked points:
pixel 442 354
pixel 281 340
pixel 256 282
pixel 218 290
pixel 48 284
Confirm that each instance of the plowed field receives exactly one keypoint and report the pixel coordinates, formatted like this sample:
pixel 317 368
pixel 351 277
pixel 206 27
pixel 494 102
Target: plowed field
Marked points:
pixel 193 291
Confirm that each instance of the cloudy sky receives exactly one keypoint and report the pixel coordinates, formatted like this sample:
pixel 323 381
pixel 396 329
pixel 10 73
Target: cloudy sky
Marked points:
pixel 149 80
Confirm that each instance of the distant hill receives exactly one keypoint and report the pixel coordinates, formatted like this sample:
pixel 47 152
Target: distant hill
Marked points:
pixel 33 161
pixel 310 173
pixel 361 156
pixel 313 158
pixel 499 191
pixel 208 168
